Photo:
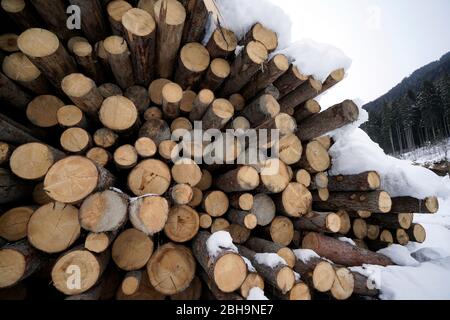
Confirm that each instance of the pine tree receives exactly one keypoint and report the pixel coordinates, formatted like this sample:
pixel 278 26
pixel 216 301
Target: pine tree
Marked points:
pixel 444 92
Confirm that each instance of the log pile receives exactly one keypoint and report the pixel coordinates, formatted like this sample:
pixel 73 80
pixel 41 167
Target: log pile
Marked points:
pixel 88 181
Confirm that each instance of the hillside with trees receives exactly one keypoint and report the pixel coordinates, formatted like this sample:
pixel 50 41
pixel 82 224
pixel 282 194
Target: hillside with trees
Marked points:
pixel 415 113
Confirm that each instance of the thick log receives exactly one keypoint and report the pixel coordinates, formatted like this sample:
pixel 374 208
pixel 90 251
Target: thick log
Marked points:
pixel 170 17
pixel 132 250
pixel 392 221
pixel 375 201
pixel 22 13
pixel 18 261
pixel 104 211
pixel 410 204
pixel 187 102
pixel 218 71
pixel 20 69
pixel 186 171
pixel 149 177
pixel 140 33
pixel 47 53
pixel 115 10
pixel 215 203
pixel 274 176
pixel 120 61
pixel 222 44
pixel 15 133
pixel 219 224
pixel 295 201
pixel 341 252
pixel 326 222
pixel 343 285
pixel 85 56
pixel 74 178
pixel 182 224
pixel 78 259
pixel 13 223
pixel 244 178
pixel 290 148
pixel 83 92
pixel 42 111
pixel 182 194
pixel 334 78
pixel 304 177
pixel 272 70
pixel 264 246
pixel 225 268
pixel 261 110
pixel 346 224
pixel 260 33
pixel 253 280
pixel 145 147
pixel 153 113
pixel 366 181
pixel 281 231
pixel 244 67
pixel 119 114
pixel 306 91
pixel 280 276
pixel 193 62
pixel 149 214
pixel 13 94
pixel 218 114
pixel 201 104
pixel 361 286
pixel 290 81
pixel 216 293
pixel 360 229
pixel 328 120
pixel 93 24
pixel 264 209
pixel 139 96
pixel 42 156
pixel 54 227
pixel 171 269
pixel 315 157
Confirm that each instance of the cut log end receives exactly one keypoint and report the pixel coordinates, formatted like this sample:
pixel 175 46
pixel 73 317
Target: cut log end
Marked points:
pixel 285 279
pixel 323 276
pixel 230 272
pixel 131 250
pixel 38 43
pixel 343 284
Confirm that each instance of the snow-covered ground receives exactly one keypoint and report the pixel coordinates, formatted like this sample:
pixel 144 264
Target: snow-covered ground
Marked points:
pixel 424 270
pixel 429 154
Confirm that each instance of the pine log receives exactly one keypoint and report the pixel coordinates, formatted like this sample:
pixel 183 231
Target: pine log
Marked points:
pixel 362 287
pixel 264 246
pixel 375 201
pixel 187 102
pixel 93 23
pixel 417 233
pixel 260 33
pixel 201 104
pixel 100 242
pixel 47 53
pixel 328 120
pixel 360 229
pixel 149 214
pixel 341 252
pixel 315 271
pixel 343 285
pixel 238 233
pixel 171 269
pixel 40 155
pixel 345 222
pixel 226 269
pixel 197 198
pixel 120 61
pixel 21 13
pixel 315 158
pixel 386 237
pixel 53 227
pixel 205 221
pixel 42 111
pixel 222 44
pixel 19 68
pixel 244 67
pixel 304 177
pixel 99 155
pixel 280 231
pixel 243 218
pixel 172 94
pixel 244 178
pixel 54 14
pixel 193 62
pixel 85 56
pixel 264 209
pixel 253 280
pixel 70 264
pixel 215 203
pixel 392 221
pixel 104 211
pixel 274 176
pixel 156 129
pixel 13 189
pixel 153 113
pixel 261 110
pixel 218 114
pixel 241 201
pixel 119 114
pixel 147 5
pixel 216 293
pixel 145 147
pixel 155 90
pixel 132 250
pixel 218 71
pixel 294 201
pixel 181 194
pixel 13 223
pixel 334 78
pixel 219 224
pixel 18 261
pixel 290 81
pixel 140 33
pixel 306 110
pixel 116 9
pixel 182 224
pixel 74 178
pixel 238 101
pixel 290 149
pixel 139 96
pixel 39 195
pixel 166 149
pixel 306 91
pixel 272 71
pixel 280 276
pixel 105 138
pixel 170 17
pixel 83 92
pixel 71 116
pixel 196 20
pixel 125 157
pixel 12 94
pixel 144 290
pixel 102 57
pixel 410 204
pixel 366 181
pixel 15 133
pixel 149 177
pixel 186 171
pixel 110 89
pixel 326 222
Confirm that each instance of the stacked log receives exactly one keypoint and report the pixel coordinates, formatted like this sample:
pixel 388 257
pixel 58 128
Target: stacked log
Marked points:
pixel 99 183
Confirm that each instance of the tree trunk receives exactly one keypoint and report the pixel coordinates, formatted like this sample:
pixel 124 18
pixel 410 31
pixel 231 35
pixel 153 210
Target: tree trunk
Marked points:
pixel 218 71
pixel 261 110
pixel 218 115
pixel 86 59
pixel 116 10
pixel 244 178
pixel 182 224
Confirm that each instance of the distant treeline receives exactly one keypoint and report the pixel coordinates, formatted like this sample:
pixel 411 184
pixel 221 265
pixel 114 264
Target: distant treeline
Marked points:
pixel 414 119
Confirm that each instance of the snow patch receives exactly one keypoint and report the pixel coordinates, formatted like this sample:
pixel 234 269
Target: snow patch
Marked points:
pixel 297 276
pixel 347 240
pixel 256 294
pixel 271 260
pixel 250 267
pixel 400 255
pixel 305 255
pixel 218 242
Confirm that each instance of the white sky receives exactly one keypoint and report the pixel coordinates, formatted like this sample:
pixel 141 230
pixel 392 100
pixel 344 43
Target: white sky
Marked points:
pixel 386 39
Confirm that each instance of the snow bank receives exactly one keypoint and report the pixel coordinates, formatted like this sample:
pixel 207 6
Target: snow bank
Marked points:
pixel 400 255
pixel 256 294
pixel 218 242
pixel 271 260
pixel 239 16
pixel 316 59
pixel 304 255
pixel 347 240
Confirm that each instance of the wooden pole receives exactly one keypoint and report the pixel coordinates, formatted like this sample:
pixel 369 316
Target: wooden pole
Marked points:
pixel 119 59
pixel 306 91
pixel 218 71
pixel 116 9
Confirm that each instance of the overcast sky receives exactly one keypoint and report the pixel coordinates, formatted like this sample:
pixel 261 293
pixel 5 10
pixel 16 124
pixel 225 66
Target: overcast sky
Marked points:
pixel 386 39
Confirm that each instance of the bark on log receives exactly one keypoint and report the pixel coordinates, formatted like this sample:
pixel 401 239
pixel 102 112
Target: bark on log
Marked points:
pixel 83 92
pixel 222 44
pixel 156 129
pixel 85 56
pixel 120 61
pixel 375 201
pixel 341 252
pixel 280 231
pixel 139 96
pixel 326 222
pixel 21 13
pixel 306 110
pixel 261 110
pixel 13 132
pixel 55 17
pixel 264 246
pixel 243 218
pixel 238 101
pixel 244 178
pixel 93 22
pixel 417 233
pixel 334 78
pixel 110 89
pixel 392 221
pixel 13 189
pixel 196 19
pixel 290 81
pixel 366 181
pixel 328 120
pixel 192 293
pixel 172 94
pixel 47 53
pixel 218 114
pixel 260 33
pixel 193 62
pixel 201 104
pixel 315 158
pixel 306 91
pixel 218 71
pixel 116 9
pixel 410 204
pixel 12 94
